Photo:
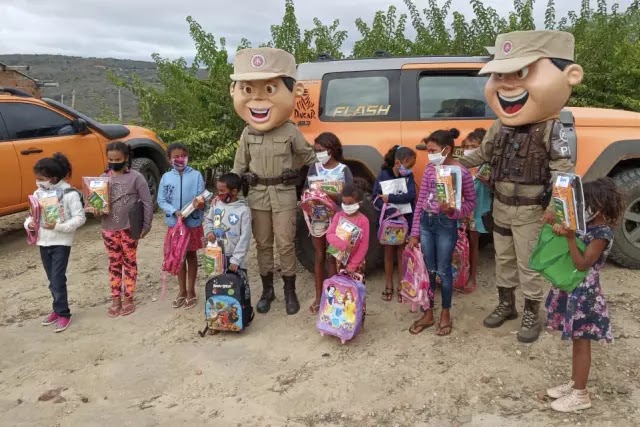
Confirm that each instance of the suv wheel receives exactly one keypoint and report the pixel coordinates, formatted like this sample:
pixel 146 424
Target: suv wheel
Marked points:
pixel 306 252
pixel 151 174
pixel 626 244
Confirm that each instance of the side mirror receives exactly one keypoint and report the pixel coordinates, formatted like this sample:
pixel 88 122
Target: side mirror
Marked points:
pixel 81 126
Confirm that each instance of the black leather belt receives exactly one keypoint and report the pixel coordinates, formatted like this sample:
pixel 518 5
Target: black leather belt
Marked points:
pixel 270 181
pixel 506 232
pixel 518 200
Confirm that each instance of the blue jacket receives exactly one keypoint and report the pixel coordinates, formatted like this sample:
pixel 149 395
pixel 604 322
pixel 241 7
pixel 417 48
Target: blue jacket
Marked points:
pixel 409 197
pixel 176 191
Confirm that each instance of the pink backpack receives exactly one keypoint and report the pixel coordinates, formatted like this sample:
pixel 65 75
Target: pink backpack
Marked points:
pixel 34 212
pixel 460 263
pixel 317 206
pixel 176 244
pixel 415 289
pixel 343 306
pixel 392 230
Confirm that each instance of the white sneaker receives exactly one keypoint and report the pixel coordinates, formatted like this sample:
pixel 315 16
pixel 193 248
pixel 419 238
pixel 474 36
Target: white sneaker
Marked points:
pixel 576 401
pixel 560 391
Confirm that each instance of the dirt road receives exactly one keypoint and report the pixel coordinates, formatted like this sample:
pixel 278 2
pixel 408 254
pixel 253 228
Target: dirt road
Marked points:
pixel 152 369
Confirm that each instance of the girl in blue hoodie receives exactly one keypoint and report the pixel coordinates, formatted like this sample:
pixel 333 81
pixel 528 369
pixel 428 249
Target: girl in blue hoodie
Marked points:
pixel 179 187
pixel 397 165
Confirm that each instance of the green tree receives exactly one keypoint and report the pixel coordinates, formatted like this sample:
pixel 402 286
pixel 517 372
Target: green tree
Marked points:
pixel 386 33
pixel 192 103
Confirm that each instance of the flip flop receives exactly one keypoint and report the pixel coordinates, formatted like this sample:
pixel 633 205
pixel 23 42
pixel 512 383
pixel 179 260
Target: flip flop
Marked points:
pixel 440 328
pixel 190 303
pixel 314 309
pixel 416 328
pixel 178 302
pixel 387 294
pixel 127 309
pixel 114 312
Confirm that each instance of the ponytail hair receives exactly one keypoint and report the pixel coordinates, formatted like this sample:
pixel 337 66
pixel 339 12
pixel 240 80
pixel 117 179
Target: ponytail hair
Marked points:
pixel 57 167
pixel 443 137
pixel 399 153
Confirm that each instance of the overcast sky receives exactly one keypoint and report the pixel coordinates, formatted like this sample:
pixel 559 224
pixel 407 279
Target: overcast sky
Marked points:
pixel 134 29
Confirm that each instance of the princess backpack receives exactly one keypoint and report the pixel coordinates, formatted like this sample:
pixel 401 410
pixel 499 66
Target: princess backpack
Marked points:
pixel 342 306
pixel 460 263
pixel 392 230
pixel 414 287
pixel 34 212
pixel 175 251
pixel 317 206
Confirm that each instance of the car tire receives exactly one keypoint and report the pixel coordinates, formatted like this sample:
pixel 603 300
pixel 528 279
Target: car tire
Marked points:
pixel 305 250
pixel 151 174
pixel 624 252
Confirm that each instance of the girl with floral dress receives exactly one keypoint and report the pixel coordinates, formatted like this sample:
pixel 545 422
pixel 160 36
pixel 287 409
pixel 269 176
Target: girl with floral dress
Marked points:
pixel 582 315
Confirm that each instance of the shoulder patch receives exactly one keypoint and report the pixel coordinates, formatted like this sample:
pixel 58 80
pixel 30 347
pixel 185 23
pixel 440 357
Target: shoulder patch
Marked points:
pixel 559 143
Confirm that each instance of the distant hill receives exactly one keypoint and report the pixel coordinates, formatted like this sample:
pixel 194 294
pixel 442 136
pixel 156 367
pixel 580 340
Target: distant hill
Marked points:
pixel 88 76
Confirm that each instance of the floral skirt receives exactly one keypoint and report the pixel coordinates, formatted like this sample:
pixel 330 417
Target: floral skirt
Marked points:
pixel 581 314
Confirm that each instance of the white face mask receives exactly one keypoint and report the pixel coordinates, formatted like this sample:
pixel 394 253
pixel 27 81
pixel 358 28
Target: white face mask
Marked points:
pixel 350 209
pixel 437 159
pixel 323 157
pixel 43 185
pixel 590 216
pixel 468 152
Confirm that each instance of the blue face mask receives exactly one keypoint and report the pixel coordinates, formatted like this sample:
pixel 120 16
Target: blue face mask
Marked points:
pixel 404 171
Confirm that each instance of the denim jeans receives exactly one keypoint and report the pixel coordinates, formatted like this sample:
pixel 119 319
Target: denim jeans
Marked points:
pixel 55 260
pixel 438 238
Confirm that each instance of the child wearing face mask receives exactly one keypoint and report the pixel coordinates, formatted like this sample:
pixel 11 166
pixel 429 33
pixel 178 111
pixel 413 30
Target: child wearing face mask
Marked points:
pixel 329 167
pixel 127 186
pixel 435 226
pixel 178 187
pixel 483 205
pixel 582 314
pixel 351 199
pixel 55 240
pixel 397 164
pixel 228 222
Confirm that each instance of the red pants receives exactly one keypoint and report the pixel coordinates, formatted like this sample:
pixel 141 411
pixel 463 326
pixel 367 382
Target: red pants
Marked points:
pixel 122 250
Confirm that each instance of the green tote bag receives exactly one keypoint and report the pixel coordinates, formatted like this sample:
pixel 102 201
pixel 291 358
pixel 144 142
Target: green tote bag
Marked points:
pixel 552 259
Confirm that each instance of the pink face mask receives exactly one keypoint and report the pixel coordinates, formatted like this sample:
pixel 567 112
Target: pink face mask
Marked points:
pixel 180 162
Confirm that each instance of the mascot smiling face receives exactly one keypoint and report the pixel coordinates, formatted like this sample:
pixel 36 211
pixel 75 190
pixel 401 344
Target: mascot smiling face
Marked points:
pixel 532 75
pixel 264 88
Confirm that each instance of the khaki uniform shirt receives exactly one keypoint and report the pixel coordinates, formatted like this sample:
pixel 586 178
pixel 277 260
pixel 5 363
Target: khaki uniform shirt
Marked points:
pixel 559 161
pixel 268 155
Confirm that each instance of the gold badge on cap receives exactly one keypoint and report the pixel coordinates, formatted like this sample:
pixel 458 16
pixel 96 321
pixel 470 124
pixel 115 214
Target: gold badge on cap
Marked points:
pixel 507 47
pixel 257 61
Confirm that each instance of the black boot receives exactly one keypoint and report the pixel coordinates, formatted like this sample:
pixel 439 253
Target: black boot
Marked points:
pixel 264 304
pixel 531 324
pixel 290 297
pixel 506 309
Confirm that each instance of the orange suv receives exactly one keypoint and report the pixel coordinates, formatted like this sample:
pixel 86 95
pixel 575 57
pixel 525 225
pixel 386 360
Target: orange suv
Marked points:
pixel 33 128
pixel 373 104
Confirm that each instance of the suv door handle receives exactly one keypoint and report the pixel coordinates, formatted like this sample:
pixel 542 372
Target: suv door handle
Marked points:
pixel 30 151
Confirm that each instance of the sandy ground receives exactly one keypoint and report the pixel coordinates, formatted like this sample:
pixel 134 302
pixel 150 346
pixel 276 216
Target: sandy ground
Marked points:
pixel 152 368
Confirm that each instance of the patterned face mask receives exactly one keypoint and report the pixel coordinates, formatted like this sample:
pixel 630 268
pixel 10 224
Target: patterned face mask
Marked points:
pixel 180 163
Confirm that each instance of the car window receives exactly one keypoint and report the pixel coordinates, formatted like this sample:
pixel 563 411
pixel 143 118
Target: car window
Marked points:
pixel 453 97
pixel 27 121
pixel 3 130
pixel 367 96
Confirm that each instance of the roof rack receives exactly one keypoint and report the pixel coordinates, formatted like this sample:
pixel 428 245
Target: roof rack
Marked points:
pixel 381 54
pixel 15 92
pixel 325 57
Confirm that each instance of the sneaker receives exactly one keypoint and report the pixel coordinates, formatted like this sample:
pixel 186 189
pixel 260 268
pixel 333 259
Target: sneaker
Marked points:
pixel 50 319
pixel 560 391
pixel 63 323
pixel 576 401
